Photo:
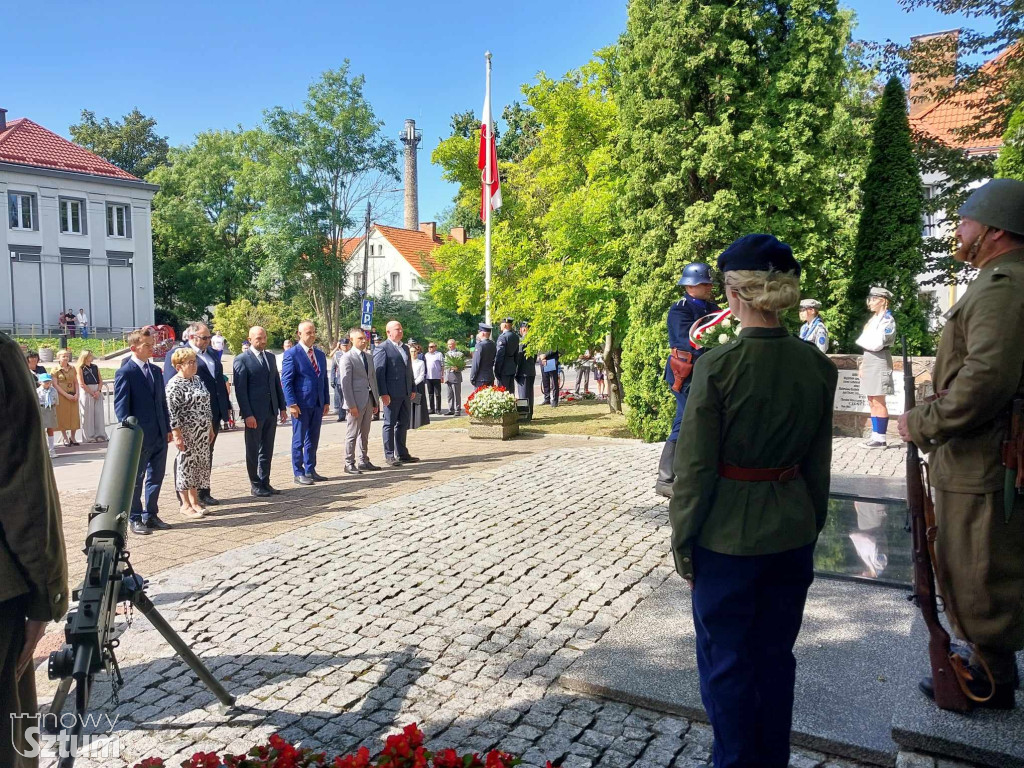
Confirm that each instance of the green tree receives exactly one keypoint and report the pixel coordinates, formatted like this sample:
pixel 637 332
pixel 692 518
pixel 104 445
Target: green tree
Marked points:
pixel 315 169
pixel 521 136
pixel 131 143
pixel 734 118
pixel 280 320
pixel 1010 163
pixel 888 248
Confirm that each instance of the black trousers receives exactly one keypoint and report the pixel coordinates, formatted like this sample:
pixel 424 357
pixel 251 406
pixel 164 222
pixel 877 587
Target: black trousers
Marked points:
pixel 434 395
pixel 527 385
pixel 259 449
pixel 508 381
pixel 551 386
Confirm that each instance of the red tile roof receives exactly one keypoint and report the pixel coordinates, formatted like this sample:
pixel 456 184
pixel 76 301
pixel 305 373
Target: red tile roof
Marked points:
pixel 28 143
pixel 414 245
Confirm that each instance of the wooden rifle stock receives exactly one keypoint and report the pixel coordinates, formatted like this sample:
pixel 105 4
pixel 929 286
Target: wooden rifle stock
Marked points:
pixel 946 666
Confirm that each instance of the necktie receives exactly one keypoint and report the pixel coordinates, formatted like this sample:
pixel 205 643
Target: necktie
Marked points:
pixel 312 359
pixel 366 365
pixel 149 374
pixel 263 360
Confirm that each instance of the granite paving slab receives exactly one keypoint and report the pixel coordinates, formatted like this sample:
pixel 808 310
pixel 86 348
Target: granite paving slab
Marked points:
pixel 851 650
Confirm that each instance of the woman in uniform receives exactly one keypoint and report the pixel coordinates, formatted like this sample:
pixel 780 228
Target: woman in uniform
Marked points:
pixel 65 381
pixel 748 501
pixel 876 363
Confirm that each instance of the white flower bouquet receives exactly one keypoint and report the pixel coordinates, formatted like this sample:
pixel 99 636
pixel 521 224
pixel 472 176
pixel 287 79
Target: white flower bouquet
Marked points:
pixel 488 402
pixel 714 330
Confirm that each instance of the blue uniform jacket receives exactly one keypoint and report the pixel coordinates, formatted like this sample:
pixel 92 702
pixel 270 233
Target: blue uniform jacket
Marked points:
pixel 681 315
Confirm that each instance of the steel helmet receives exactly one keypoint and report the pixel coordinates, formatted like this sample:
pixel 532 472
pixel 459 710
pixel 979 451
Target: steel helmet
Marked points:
pixel 697 273
pixel 998 204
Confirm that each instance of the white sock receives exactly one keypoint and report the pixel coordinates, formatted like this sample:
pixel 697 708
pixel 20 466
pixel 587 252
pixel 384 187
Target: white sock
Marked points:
pixel 49 442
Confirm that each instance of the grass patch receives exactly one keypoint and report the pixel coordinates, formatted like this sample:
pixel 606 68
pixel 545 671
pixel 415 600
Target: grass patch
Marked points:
pixel 585 418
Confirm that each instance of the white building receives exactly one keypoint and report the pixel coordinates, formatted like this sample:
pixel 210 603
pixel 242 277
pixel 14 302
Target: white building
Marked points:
pixel 77 235
pixel 398 258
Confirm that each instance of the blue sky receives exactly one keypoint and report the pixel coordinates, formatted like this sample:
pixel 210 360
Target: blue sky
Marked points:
pixel 207 65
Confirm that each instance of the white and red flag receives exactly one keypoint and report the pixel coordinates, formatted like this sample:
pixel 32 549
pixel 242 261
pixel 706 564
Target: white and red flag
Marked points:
pixel 487 162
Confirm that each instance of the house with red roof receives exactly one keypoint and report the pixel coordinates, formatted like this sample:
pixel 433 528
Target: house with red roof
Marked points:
pixel 397 258
pixel 77 235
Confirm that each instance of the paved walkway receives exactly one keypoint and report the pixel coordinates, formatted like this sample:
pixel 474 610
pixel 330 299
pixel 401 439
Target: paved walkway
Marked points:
pixel 452 593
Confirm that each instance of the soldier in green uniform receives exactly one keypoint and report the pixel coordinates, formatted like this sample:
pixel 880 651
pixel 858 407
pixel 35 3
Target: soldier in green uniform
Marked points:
pixel 979 372
pixel 748 501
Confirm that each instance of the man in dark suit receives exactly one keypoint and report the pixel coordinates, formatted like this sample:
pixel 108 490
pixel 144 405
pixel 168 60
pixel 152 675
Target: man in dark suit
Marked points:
pixel 526 370
pixel 482 370
pixel 395 385
pixel 139 392
pixel 260 400
pixel 304 381
pixel 211 372
pixel 506 355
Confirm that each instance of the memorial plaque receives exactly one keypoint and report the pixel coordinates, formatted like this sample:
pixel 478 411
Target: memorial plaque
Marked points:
pixel 850 400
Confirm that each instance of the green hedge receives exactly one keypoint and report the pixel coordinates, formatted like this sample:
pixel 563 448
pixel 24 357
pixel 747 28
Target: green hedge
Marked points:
pixel 99 347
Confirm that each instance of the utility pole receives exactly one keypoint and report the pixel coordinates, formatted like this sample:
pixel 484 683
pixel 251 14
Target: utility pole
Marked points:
pixel 366 254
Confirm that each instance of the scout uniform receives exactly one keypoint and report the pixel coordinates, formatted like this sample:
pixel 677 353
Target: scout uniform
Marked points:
pixel 979 547
pixel 748 502
pixel 815 331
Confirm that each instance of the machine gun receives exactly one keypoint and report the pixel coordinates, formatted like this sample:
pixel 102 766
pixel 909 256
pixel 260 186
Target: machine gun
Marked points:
pixel 948 668
pixel 90 632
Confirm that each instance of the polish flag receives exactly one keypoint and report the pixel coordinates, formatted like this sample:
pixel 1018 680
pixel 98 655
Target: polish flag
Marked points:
pixel 487 162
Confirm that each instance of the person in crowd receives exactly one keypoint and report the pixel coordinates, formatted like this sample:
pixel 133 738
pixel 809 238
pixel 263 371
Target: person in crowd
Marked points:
pixel 584 365
pixel 481 372
pixel 191 420
pixel 70 322
pixel 453 381
pixel 359 385
pixel 288 344
pixel 33 564
pixel 83 322
pixel 599 374
pixel 218 344
pixel 526 369
pixel 260 403
pixel 245 346
pixel 211 372
pixel 695 304
pixel 549 377
pixel 506 355
pixel 139 392
pixel 979 376
pixel 434 360
pixel 750 497
pixel 90 398
pixel 341 348
pixel 65 380
pixel 876 363
pixel 229 420
pixel 32 360
pixel 304 382
pixel 62 323
pixel 393 362
pixel 813 329
pixel 47 397
pixel 420 414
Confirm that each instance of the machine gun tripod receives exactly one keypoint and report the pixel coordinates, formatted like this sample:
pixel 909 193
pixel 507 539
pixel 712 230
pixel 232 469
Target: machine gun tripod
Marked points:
pixel 109 580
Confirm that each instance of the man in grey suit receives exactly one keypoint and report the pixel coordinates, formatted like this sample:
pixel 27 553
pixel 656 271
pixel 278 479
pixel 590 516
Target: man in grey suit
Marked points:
pixel 482 371
pixel 260 402
pixel 395 384
pixel 358 378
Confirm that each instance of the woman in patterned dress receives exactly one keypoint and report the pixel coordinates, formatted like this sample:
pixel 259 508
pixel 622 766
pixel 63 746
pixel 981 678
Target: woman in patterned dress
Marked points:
pixel 188 403
pixel 65 381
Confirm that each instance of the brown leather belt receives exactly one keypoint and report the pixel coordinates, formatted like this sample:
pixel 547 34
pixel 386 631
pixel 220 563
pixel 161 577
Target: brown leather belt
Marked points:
pixel 758 475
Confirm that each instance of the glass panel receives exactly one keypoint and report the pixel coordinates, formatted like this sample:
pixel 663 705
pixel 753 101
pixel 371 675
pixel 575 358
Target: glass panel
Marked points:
pixel 63 216
pixel 120 221
pixel 26 211
pixel 866 540
pixel 110 221
pixel 12 210
pixel 76 217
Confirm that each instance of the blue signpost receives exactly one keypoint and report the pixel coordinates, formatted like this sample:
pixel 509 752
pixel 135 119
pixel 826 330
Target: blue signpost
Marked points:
pixel 366 322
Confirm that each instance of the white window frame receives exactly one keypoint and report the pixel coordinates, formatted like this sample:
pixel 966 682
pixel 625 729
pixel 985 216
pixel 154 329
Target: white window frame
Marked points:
pixel 112 221
pixel 396 282
pixel 930 223
pixel 23 205
pixel 62 212
pixel 357 281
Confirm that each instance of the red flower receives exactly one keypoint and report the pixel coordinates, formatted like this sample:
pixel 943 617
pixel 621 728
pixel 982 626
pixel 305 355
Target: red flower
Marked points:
pixel 499 759
pixel 360 759
pixel 151 762
pixel 447 758
pixel 203 760
pixel 413 734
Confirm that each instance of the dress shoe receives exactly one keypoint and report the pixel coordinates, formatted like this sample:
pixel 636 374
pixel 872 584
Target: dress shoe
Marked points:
pixel 259 490
pixel 318 477
pixel 367 467
pixel 964 652
pixel 392 462
pixel 874 444
pixel 1002 696
pixel 350 469
pixel 449 413
pixel 138 527
pixel 154 523
pixel 303 480
pixel 273 491
pixel 208 500
pixel 408 459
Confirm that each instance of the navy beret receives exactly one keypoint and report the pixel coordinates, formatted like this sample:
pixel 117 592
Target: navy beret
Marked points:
pixel 760 253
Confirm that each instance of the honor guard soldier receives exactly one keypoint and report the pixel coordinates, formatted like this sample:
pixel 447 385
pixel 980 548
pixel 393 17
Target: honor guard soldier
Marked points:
pixel 482 370
pixel 749 499
pixel 813 330
pixel 506 355
pixel 974 434
pixel 696 282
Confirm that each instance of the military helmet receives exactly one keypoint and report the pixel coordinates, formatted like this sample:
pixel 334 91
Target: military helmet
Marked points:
pixel 998 204
pixel 697 273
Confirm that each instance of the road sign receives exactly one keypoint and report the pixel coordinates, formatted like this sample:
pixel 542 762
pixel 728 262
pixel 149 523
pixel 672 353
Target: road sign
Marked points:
pixel 366 320
pixel 367 306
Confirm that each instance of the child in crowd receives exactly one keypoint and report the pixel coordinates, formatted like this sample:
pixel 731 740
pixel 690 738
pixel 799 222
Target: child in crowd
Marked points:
pixel 48 405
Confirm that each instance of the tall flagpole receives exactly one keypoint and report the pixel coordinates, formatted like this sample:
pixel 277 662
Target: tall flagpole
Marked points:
pixel 487 200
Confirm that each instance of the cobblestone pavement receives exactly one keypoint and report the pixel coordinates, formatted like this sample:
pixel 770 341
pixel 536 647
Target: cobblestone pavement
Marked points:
pixel 456 606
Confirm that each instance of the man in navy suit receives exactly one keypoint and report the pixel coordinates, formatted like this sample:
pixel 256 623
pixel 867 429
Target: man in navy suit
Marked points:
pixel 139 392
pixel 260 399
pixel 211 372
pixel 395 384
pixel 304 381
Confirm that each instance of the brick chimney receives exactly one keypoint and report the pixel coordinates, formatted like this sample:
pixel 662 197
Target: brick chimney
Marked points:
pixel 429 228
pixel 459 235
pixel 410 137
pixel 940 49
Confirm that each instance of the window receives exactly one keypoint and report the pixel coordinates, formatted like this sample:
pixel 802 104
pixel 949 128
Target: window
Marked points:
pixel 22 207
pixel 119 222
pixel 928 228
pixel 72 220
pixel 26 256
pixel 357 281
pixel 396 282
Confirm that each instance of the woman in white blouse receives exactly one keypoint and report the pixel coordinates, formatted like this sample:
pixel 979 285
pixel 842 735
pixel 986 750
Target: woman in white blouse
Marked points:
pixel 419 380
